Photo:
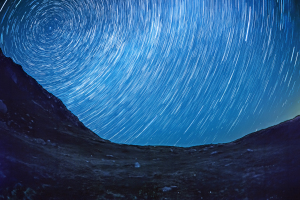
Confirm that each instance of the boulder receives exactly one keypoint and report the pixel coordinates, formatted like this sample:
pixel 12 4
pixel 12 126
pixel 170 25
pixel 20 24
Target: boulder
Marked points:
pixel 3 108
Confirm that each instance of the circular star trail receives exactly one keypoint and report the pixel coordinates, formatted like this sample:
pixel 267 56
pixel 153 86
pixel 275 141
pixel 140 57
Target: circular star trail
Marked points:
pixel 154 72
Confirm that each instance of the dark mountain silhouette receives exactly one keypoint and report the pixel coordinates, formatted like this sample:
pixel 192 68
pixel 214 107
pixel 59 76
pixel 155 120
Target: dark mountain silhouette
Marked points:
pixel 47 153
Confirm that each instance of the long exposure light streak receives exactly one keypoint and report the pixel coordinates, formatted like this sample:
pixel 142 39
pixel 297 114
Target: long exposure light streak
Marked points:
pixel 155 72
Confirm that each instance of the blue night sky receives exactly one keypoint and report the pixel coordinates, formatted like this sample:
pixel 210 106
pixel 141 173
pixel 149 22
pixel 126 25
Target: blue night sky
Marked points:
pixel 162 72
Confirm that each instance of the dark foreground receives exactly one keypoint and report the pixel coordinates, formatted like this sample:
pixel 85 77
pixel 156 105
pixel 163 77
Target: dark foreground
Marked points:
pixel 47 153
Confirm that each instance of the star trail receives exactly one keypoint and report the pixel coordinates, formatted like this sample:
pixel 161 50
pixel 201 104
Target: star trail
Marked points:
pixel 157 72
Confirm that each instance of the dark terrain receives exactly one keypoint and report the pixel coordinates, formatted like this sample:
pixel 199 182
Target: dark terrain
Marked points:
pixel 47 153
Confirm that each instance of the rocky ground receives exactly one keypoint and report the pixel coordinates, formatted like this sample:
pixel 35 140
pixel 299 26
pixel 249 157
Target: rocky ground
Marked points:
pixel 47 153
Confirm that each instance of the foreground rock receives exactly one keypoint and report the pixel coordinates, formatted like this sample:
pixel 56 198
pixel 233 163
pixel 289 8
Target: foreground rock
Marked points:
pixel 3 108
pixel 47 153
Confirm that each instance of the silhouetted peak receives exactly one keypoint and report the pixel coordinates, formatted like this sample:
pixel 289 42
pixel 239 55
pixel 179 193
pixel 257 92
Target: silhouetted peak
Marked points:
pixel 1 53
pixel 24 97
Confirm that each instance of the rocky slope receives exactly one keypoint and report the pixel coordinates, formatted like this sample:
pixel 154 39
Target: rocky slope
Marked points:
pixel 47 153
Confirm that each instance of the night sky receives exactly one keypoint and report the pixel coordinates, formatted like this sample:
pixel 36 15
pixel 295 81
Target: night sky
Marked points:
pixel 162 72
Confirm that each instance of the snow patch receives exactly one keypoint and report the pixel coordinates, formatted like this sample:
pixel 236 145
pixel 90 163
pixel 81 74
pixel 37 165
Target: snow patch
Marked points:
pixel 137 165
